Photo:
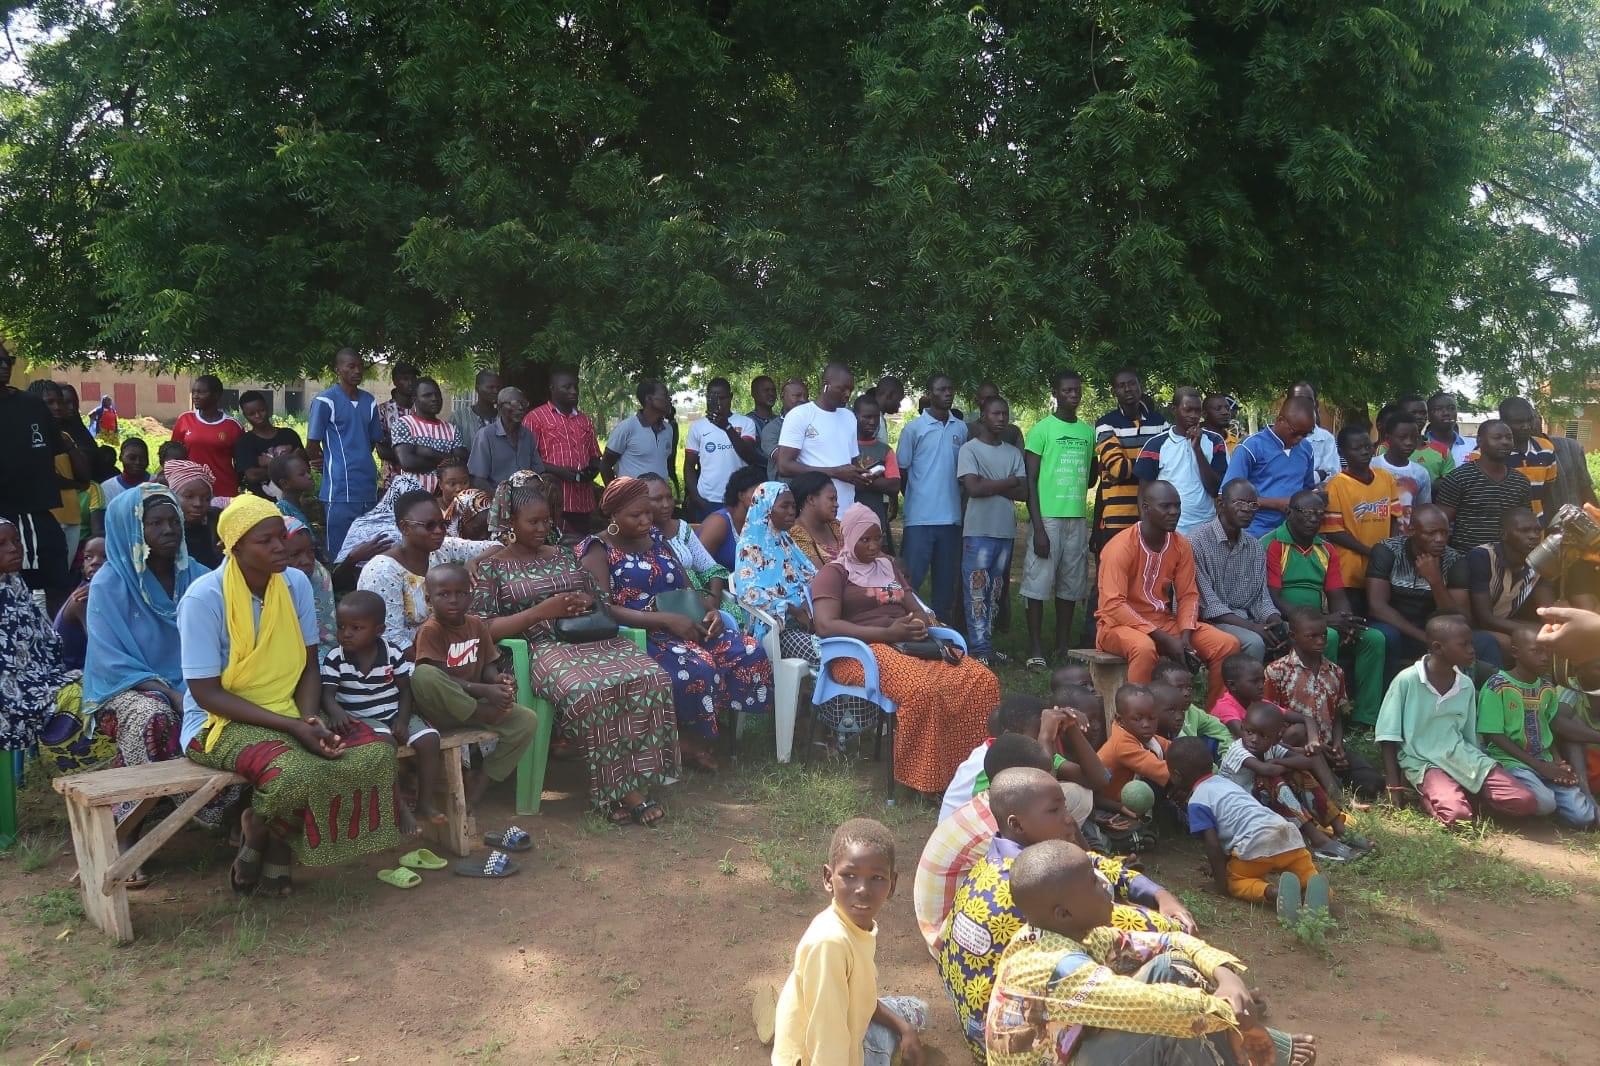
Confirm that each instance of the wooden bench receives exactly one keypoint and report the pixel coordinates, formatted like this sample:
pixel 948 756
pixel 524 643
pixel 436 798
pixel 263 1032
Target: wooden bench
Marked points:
pixel 1108 673
pixel 103 864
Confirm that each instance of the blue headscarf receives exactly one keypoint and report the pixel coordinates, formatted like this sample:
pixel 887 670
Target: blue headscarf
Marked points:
pixel 771 573
pixel 131 621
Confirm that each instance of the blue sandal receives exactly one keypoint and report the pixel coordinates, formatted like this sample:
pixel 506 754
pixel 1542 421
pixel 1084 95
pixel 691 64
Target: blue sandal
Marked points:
pixel 511 839
pixel 497 865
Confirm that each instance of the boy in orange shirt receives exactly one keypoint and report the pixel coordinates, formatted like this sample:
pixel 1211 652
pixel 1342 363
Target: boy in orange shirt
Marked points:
pixel 1135 747
pixel 1363 503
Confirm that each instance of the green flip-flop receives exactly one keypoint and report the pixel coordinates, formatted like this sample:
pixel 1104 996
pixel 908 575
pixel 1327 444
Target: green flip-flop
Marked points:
pixel 399 878
pixel 1317 893
pixel 422 859
pixel 1288 899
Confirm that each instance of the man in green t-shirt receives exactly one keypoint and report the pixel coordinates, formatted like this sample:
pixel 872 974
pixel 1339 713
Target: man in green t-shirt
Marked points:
pixel 1058 454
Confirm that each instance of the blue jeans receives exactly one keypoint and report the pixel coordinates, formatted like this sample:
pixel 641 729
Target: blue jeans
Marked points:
pixel 984 562
pixel 1571 807
pixel 1402 650
pixel 937 548
pixel 340 515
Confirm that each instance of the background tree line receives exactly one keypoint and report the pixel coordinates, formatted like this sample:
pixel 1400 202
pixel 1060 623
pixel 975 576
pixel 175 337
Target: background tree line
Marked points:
pixel 1234 192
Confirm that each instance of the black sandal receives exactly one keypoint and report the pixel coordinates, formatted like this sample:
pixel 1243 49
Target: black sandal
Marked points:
pixel 639 812
pixel 249 860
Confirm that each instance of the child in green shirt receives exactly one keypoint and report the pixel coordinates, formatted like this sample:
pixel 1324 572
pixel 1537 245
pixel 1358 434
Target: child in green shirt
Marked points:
pixel 1191 720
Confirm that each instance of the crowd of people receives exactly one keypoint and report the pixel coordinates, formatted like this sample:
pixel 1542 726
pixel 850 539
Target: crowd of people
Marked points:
pixel 293 610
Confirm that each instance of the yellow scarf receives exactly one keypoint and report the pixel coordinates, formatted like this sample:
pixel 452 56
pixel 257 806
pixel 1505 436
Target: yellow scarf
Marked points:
pixel 264 662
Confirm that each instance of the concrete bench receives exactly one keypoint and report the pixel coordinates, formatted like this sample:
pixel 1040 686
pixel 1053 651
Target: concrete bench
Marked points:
pixel 103 864
pixel 1108 673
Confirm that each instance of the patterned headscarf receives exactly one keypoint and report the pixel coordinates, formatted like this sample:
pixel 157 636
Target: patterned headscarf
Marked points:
pixel 380 521
pixel 469 503
pixel 770 570
pixel 621 492
pixel 181 472
pixel 241 516
pixel 500 510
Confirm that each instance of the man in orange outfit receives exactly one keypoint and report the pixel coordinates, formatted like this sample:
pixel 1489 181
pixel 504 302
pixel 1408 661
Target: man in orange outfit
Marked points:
pixel 1149 602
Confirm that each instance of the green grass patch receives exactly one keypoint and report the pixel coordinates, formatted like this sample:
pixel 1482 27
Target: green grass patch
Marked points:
pixel 1416 853
pixel 55 907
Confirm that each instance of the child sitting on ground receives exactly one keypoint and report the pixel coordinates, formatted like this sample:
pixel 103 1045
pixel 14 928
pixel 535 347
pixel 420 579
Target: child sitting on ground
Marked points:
pixel 1246 845
pixel 368 678
pixel 829 1013
pixel 1289 783
pixel 1242 681
pixel 1310 688
pixel 1135 747
pixel 1516 710
pixel 1072 988
pixel 1059 730
pixel 1196 722
pixel 1577 724
pixel 1076 675
pixel 457 681
pixel 1028 808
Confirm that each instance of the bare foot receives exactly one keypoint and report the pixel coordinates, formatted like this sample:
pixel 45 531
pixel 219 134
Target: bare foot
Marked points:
pixel 427 812
pixel 1302 1049
pixel 477 785
pixel 406 823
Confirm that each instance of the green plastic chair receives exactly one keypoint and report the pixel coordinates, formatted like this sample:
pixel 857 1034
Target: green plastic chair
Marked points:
pixel 8 798
pixel 531 770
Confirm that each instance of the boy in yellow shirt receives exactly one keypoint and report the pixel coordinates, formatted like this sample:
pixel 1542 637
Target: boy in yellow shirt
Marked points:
pixel 829 1013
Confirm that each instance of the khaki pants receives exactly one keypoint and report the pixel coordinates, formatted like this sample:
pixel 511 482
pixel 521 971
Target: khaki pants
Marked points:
pixel 440 699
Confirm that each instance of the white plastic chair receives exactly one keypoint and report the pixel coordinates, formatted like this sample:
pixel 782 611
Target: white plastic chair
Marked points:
pixel 787 674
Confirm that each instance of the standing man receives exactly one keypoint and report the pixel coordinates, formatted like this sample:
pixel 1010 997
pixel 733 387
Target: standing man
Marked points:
pixel 929 447
pixel 210 435
pixel 1532 453
pixel 990 391
pixel 343 428
pixel 1220 409
pixel 1231 569
pixel 1573 483
pixel 1189 457
pixel 485 407
pixel 821 436
pixel 421 439
pixel 794 393
pixel 1324 449
pixel 1361 512
pixel 1477 494
pixel 1149 601
pixel 29 490
pixel 1059 464
pixel 764 392
pixel 718 444
pixel 1444 437
pixel 505 445
pixel 890 393
pixel 1413 484
pixel 1278 462
pixel 401 396
pixel 883 492
pixel 642 442
pixel 993 475
pixel 1120 435
pixel 564 437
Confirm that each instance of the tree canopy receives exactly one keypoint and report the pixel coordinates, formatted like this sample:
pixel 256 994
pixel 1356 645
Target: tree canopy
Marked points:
pixel 1236 192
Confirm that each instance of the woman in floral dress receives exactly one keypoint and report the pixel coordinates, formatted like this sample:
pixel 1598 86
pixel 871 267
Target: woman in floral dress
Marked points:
pixel 609 696
pixel 712 669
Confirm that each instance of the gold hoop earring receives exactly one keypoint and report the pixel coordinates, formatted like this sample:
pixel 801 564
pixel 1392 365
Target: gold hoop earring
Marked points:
pixel 612 529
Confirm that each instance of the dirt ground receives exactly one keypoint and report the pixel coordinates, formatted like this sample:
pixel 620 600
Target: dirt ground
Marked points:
pixel 627 946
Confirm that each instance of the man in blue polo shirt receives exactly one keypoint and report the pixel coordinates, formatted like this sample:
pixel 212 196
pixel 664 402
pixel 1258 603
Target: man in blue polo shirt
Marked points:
pixel 1277 460
pixel 929 447
pixel 344 427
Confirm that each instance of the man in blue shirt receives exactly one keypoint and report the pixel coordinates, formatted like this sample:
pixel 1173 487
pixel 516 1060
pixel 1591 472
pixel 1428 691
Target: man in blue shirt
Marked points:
pixel 344 427
pixel 1277 460
pixel 929 446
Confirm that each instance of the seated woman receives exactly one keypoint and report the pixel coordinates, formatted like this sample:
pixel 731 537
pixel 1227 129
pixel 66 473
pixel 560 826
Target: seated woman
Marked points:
pixel 772 573
pixel 722 528
pixel 249 636
pixel 704 572
pixel 133 677
pixel 943 709
pixel 399 574
pixel 609 696
pixel 33 679
pixel 468 515
pixel 192 483
pixel 712 670
pixel 816 528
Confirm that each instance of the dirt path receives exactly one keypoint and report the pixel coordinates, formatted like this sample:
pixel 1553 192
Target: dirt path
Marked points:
pixel 617 947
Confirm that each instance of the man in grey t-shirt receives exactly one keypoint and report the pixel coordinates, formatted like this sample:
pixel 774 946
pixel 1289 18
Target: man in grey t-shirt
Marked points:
pixel 993 477
pixel 795 392
pixel 641 443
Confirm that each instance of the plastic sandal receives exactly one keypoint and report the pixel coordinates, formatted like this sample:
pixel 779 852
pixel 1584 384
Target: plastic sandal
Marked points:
pixel 401 878
pixel 638 811
pixel 764 1012
pixel 511 838
pixel 497 865
pixel 422 859
pixel 1289 898
pixel 1317 893
pixel 248 858
pixel 1036 663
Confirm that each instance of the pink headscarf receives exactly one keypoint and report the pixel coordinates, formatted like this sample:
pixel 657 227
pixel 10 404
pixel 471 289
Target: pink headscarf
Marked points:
pixel 180 472
pixel 857 519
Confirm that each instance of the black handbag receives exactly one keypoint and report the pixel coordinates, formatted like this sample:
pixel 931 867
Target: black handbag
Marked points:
pixel 595 624
pixel 932 649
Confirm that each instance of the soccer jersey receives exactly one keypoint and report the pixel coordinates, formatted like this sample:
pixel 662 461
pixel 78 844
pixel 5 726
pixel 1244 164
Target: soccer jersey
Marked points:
pixel 718 457
pixel 211 445
pixel 1274 470
pixel 347 428
pixel 1364 510
pixel 1413 485
pixel 1302 575
pixel 373 693
pixel 1171 457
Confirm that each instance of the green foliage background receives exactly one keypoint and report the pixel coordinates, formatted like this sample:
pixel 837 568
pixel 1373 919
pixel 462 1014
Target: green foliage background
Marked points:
pixel 1233 192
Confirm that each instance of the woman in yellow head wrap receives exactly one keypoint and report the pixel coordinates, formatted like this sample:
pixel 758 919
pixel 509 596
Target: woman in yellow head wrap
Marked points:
pixel 249 635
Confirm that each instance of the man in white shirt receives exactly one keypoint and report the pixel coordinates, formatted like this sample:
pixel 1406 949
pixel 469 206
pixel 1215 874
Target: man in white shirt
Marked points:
pixel 821 436
pixel 1324 448
pixel 1191 457
pixel 717 445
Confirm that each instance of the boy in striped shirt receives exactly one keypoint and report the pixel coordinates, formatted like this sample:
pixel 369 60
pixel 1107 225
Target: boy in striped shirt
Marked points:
pixel 368 678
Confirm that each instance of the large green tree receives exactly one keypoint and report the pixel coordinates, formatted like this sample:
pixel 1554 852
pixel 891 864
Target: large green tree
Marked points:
pixel 1237 191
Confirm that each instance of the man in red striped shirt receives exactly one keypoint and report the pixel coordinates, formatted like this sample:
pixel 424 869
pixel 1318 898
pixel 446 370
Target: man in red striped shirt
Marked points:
pixel 566 440
pixel 421 439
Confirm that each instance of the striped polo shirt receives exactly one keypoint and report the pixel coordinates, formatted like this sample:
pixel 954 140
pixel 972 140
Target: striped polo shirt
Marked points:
pixel 1118 440
pixel 1537 462
pixel 369 694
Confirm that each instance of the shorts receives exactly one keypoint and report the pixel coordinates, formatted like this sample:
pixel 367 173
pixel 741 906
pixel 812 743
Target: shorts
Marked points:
pixel 419 727
pixel 1065 575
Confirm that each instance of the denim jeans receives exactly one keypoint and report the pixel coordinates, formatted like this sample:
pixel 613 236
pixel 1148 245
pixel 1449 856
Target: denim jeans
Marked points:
pixel 1567 802
pixel 984 562
pixel 882 1042
pixel 937 548
pixel 1402 650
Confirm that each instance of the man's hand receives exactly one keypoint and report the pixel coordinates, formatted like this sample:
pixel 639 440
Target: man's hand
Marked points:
pixel 1041 544
pixel 368 548
pixel 1168 645
pixel 1231 987
pixel 1430 568
pixel 1570 632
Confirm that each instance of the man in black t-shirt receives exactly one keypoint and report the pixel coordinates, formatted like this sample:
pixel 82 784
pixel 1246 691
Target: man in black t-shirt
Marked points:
pixel 29 444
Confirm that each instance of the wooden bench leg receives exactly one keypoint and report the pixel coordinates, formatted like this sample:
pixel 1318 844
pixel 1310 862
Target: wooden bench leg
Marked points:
pixel 1107 678
pixel 94 838
pixel 457 835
